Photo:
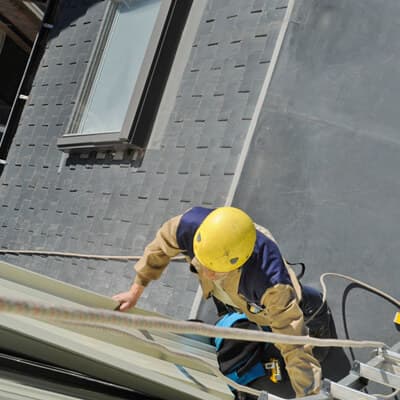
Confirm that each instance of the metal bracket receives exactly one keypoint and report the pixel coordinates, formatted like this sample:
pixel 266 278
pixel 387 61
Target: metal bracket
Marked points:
pixel 356 367
pixel 263 396
pixel 326 386
pixel 389 355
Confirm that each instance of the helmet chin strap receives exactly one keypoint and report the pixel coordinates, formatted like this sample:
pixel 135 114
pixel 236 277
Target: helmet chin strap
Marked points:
pixel 208 273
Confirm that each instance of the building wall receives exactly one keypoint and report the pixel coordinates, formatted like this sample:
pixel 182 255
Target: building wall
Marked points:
pixel 105 204
pixel 327 143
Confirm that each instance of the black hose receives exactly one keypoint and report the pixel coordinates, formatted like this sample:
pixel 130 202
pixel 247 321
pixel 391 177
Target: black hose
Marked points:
pixel 344 298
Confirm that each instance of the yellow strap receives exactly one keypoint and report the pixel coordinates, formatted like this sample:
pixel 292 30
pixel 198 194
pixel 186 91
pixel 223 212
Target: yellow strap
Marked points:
pixel 397 318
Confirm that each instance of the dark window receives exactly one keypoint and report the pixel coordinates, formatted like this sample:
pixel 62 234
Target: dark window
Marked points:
pixel 12 63
pixel 123 85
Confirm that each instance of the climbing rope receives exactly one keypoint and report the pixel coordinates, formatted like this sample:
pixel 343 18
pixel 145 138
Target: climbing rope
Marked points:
pixel 51 312
pixel 363 284
pixel 79 255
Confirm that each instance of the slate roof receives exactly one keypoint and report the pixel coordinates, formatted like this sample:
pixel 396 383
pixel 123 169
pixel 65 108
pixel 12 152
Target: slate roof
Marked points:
pixel 100 204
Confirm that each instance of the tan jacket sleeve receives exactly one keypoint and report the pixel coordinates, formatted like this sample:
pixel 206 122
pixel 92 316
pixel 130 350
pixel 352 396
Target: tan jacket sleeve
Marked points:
pixel 158 253
pixel 287 318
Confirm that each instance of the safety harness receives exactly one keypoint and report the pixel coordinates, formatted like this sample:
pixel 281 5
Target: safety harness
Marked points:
pixel 244 361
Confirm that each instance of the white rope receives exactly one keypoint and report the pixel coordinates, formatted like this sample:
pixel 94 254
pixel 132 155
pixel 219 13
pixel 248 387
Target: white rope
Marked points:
pixel 49 312
pixel 79 255
pixel 361 283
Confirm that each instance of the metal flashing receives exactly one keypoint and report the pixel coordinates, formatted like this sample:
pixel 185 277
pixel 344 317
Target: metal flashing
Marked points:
pixel 121 357
pixel 9 389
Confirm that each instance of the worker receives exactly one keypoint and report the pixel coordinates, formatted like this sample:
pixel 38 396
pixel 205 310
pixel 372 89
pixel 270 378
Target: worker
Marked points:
pixel 240 264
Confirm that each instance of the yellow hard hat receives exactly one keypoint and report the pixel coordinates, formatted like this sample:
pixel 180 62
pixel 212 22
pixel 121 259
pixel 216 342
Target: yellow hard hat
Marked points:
pixel 225 240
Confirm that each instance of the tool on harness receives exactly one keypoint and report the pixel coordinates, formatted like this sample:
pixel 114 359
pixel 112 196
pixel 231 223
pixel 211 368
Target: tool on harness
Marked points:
pixel 254 308
pixel 397 321
pixel 274 366
pixel 242 361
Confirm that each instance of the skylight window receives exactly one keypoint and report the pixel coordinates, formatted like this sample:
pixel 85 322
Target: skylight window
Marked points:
pixel 127 72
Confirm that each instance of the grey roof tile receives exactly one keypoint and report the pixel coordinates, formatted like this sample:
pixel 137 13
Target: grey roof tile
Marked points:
pixel 172 185
pixel 212 196
pixel 235 131
pixel 279 4
pixel 133 239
